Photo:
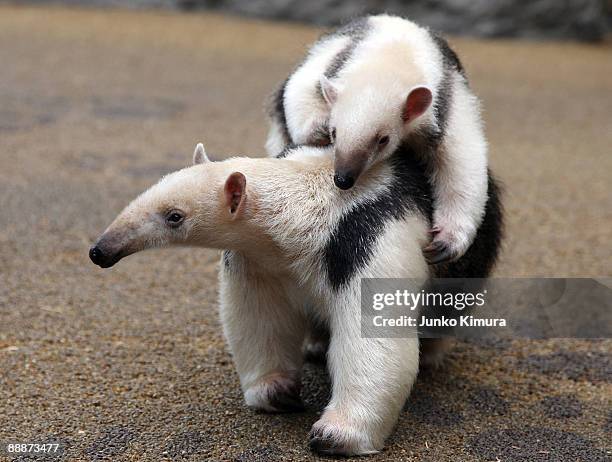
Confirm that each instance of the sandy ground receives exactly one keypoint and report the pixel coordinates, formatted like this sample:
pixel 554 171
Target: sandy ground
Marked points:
pixel 130 363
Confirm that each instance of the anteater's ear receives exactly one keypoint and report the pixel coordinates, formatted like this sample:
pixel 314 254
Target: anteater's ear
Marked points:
pixel 199 155
pixel 329 90
pixel 417 102
pixel 235 193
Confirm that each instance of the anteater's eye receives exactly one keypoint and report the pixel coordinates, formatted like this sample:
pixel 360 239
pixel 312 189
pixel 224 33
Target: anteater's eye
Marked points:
pixel 383 140
pixel 174 218
pixel 332 135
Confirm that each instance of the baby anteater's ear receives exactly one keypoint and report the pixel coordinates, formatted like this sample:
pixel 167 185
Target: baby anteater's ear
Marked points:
pixel 417 102
pixel 235 193
pixel 199 155
pixel 329 90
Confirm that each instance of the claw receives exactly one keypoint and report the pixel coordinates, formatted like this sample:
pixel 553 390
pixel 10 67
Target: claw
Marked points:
pixel 435 230
pixel 287 403
pixel 433 248
pixel 321 445
pixel 287 400
pixel 444 256
pixel 437 252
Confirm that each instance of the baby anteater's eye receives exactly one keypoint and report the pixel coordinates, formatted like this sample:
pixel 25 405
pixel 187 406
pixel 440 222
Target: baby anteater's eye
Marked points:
pixel 383 140
pixel 174 218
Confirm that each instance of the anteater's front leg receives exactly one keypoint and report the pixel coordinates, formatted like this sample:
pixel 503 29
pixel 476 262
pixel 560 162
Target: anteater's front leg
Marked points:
pixel 459 179
pixel 371 379
pixel 264 333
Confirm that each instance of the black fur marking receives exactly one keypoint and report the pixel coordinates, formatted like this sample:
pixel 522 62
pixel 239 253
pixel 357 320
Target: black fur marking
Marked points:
pixel 451 64
pixel 339 61
pixel 277 109
pixel 227 258
pixel 324 445
pixel 357 31
pixel 350 245
pixel 481 256
pixel 443 102
pixel 475 265
pixel 232 261
pixel 320 136
pixel 450 57
pixel 286 151
pixel 286 399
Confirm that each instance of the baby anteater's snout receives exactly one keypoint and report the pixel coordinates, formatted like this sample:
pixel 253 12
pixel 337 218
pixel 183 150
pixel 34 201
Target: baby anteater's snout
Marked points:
pixel 344 180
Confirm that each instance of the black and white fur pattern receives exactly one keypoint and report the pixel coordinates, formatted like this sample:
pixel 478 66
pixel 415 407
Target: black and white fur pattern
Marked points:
pixel 296 249
pixel 332 240
pixel 355 80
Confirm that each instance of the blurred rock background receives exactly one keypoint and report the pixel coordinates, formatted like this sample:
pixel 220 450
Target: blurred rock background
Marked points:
pixel 585 20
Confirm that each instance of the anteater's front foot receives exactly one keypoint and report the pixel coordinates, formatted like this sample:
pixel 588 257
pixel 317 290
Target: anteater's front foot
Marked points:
pixel 330 435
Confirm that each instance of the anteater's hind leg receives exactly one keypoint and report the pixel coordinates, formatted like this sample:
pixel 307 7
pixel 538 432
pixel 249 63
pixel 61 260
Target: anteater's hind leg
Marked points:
pixel 316 342
pixel 265 332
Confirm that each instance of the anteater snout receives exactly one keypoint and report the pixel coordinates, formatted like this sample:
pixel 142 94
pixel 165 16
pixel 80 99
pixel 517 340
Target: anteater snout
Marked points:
pixel 103 258
pixel 96 255
pixel 348 166
pixel 344 180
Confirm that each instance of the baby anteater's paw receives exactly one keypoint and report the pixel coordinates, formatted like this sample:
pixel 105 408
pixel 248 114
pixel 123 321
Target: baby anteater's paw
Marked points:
pixel 447 245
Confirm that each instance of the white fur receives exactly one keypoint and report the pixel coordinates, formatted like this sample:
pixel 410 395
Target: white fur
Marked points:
pixel 394 56
pixel 371 377
pixel 276 281
pixel 304 108
pixel 199 154
pixel 461 179
pixel 276 142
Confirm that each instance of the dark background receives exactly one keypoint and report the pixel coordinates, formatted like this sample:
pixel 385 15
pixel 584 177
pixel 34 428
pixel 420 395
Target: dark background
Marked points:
pixel 587 20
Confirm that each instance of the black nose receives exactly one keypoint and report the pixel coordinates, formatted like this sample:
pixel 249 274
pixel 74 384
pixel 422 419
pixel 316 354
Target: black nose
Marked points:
pixel 96 255
pixel 344 181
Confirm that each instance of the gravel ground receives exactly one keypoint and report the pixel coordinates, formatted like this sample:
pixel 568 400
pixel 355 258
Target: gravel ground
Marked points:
pixel 130 363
